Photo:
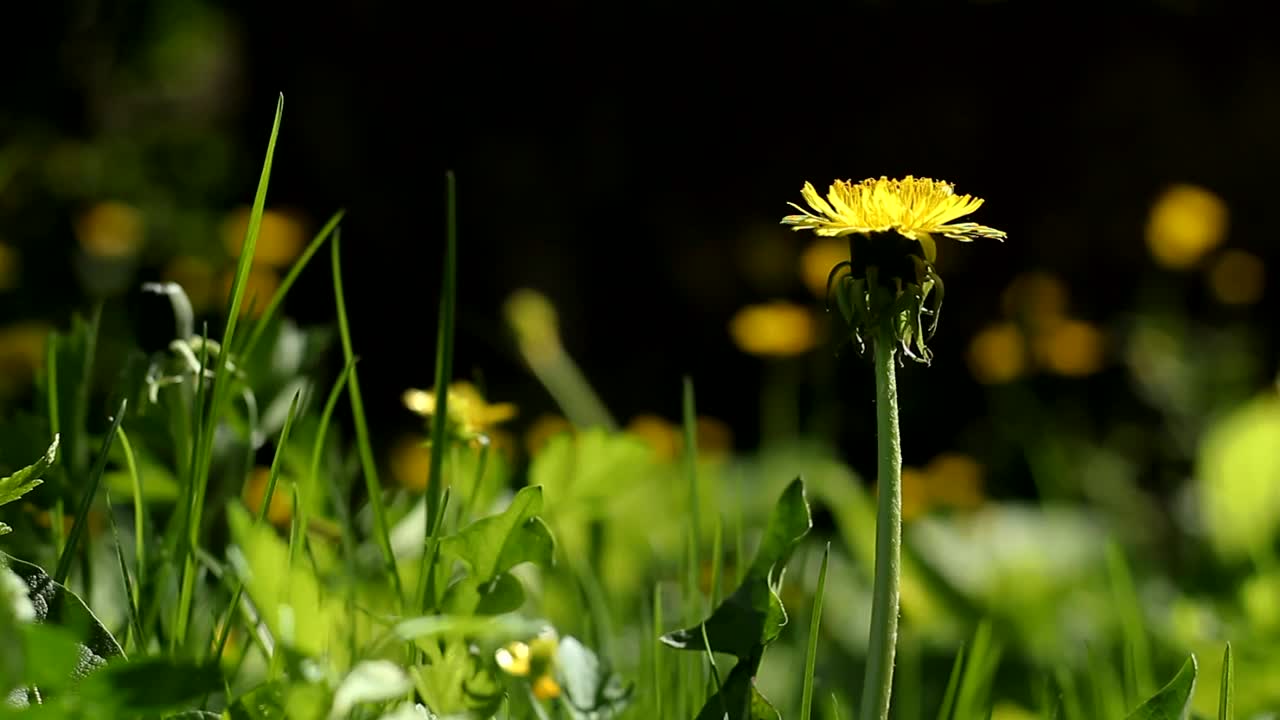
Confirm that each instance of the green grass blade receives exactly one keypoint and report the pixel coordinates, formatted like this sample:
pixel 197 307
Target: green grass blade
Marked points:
pixel 86 501
pixel 953 686
pixel 368 466
pixel 139 511
pixel 659 669
pixel 1140 676
pixel 717 563
pixel 273 307
pixel 317 452
pixel 444 374
pixel 130 592
pixel 811 652
pixel 55 427
pixel 690 458
pixel 1226 709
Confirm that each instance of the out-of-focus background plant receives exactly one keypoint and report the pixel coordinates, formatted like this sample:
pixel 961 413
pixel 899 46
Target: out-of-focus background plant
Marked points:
pixel 1091 459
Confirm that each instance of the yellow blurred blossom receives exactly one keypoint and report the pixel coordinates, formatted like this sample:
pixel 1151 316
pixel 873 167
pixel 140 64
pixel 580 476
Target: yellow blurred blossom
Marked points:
pixel 917 208
pixel 715 437
pixel 281 236
pixel 22 350
pixel 467 409
pixel 10 267
pixel 535 660
pixel 997 354
pixel 410 462
pixel 110 230
pixel 533 318
pixel 542 429
pixel 776 329
pixel 664 437
pixel 817 260
pixel 1005 710
pixel 1073 348
pixel 1037 298
pixel 954 480
pixel 915 499
pixel 1237 278
pixel 255 491
pixel 1186 222
pixel 195 276
pixel 260 285
pixel 95 522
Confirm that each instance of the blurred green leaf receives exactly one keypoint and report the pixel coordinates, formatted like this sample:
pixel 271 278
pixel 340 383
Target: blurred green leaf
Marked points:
pixel 27 479
pixel 369 681
pixel 738 698
pixel 150 685
pixel 1226 704
pixel 1238 474
pixel 753 615
pixel 1173 702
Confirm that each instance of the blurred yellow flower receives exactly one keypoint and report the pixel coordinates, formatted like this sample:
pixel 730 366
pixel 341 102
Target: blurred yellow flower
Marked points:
pixel 1186 222
pixel 1037 298
pixel 10 267
pixel 195 276
pixel 954 480
pixel 664 437
pixel 535 660
pixel 1005 710
pixel 533 318
pixel 546 688
pixel 997 354
pixel 817 260
pixel 110 230
pixel 1237 278
pixel 281 236
pixel 22 350
pixel 410 461
pixel 917 208
pixel 468 411
pixel 915 498
pixel 715 437
pixel 95 522
pixel 255 491
pixel 777 329
pixel 542 429
pixel 1073 348
pixel 260 285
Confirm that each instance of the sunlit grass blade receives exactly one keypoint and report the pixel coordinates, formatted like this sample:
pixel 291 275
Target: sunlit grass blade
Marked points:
pixel 368 466
pixel 269 312
pixel 1072 705
pixel 222 383
pixel 659 668
pixel 1139 674
pixel 953 686
pixel 979 673
pixel 317 454
pixel 443 375
pixel 139 509
pixel 90 490
pixel 55 427
pixel 811 652
pixel 130 592
pixel 1226 709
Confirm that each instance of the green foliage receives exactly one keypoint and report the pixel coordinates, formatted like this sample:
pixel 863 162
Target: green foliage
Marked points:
pixel 1173 701
pixel 27 479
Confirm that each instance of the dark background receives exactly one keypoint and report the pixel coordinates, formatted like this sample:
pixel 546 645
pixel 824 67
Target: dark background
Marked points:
pixel 635 169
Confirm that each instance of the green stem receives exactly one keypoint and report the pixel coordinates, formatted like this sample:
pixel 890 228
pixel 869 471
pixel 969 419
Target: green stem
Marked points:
pixel 878 683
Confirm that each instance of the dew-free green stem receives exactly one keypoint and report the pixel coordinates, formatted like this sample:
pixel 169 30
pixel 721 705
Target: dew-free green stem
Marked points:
pixel 878 682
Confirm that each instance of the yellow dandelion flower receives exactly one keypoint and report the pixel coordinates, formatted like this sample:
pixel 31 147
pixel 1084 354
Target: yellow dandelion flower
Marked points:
pixel 255 490
pixel 196 276
pixel 410 462
pixel 915 497
pixel 778 329
pixel 110 229
pixel 715 437
pixel 1186 222
pixel 546 688
pixel 281 236
pixel 1039 298
pixel 1073 348
pixel 997 354
pixel 1237 278
pixel 22 352
pixel 954 480
pixel 542 429
pixel 817 260
pixel 916 208
pixel 514 659
pixel 467 408
pixel 664 437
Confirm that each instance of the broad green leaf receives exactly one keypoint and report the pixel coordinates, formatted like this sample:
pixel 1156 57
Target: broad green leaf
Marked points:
pixel 28 478
pixel 753 615
pixel 457 680
pixel 593 693
pixel 55 604
pixel 491 546
pixel 1173 701
pixel 150 685
pixel 264 702
pixel 370 681
pixel 739 698
pixel 298 611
